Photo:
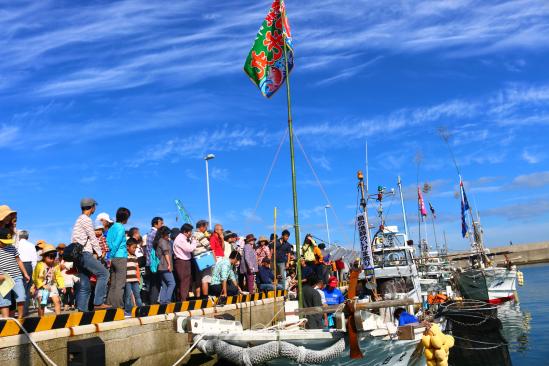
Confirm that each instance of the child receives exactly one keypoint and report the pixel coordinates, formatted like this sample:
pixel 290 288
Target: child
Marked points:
pixel 132 278
pixel 11 265
pixel 48 280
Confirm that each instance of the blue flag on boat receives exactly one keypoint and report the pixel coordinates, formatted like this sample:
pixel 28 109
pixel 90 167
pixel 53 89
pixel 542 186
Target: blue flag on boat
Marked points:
pixel 464 209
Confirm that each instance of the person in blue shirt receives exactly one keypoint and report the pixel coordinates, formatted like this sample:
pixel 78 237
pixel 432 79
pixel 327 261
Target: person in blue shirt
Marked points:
pixel 266 276
pixel 333 297
pixel 404 317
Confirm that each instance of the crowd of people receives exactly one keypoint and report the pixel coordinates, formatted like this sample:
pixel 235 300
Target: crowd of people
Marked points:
pixel 107 265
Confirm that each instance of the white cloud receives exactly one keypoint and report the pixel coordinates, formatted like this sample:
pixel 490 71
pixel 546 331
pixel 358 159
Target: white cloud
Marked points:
pixel 219 173
pixel 532 157
pixel 533 180
pixel 167 42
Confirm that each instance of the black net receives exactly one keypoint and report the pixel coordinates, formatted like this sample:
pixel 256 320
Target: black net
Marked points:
pixel 477 333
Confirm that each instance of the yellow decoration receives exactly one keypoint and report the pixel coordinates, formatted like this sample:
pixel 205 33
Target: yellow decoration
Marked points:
pixel 426 341
pixel 431 363
pixel 449 341
pixel 440 354
pixel 429 355
pixel 436 341
pixel 442 363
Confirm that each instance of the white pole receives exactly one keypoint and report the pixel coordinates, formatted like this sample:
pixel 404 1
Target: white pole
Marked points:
pixel 403 209
pixel 327 227
pixel 210 156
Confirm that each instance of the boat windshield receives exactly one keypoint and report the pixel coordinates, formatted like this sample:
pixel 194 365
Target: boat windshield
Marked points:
pixel 391 258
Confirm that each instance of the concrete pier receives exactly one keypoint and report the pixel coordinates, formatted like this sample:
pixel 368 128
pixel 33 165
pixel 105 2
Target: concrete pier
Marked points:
pixel 520 254
pixel 150 340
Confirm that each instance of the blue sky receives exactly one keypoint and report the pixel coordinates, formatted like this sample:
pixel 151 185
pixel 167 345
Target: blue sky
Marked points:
pixel 120 100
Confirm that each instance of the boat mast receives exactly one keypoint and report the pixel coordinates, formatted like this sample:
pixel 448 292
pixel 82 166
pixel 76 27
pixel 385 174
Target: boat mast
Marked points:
pixel 292 162
pixel 477 247
pixel 399 182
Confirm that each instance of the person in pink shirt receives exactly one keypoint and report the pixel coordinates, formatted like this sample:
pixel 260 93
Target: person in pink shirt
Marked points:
pixel 183 247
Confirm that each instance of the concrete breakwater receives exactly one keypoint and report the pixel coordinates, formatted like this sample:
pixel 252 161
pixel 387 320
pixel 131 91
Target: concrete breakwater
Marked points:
pixel 520 254
pixel 148 340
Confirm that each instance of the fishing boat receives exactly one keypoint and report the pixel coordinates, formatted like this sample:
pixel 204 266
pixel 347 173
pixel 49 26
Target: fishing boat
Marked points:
pixel 482 280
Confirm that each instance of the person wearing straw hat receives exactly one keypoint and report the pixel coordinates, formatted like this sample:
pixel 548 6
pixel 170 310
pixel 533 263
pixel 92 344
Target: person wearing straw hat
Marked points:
pixel 48 280
pixel 263 251
pixel 12 266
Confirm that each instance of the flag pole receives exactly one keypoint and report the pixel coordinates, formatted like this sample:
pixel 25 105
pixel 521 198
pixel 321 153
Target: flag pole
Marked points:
pixel 274 259
pixel 292 160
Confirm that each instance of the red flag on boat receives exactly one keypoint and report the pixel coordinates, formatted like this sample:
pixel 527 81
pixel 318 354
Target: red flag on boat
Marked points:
pixel 420 203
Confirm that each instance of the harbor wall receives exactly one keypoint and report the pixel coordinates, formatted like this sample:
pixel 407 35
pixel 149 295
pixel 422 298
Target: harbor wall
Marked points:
pixel 520 254
pixel 150 340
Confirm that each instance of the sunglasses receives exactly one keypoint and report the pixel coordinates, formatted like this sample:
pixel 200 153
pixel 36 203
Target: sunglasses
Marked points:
pixel 51 256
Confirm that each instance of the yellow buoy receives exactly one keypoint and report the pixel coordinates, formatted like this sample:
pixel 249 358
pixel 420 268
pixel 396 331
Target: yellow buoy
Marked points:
pixel 429 354
pixel 431 363
pixel 440 355
pixel 449 341
pixel 436 341
pixel 442 363
pixel 426 341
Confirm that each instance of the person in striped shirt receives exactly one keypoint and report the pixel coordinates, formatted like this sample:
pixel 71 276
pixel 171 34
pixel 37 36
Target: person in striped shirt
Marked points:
pixel 132 278
pixel 11 264
pixel 84 234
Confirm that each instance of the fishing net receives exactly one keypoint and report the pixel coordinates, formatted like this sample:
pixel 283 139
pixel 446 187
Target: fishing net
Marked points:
pixel 477 333
pixel 472 285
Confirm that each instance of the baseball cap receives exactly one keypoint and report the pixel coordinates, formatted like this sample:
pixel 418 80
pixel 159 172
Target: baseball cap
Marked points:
pixel 332 281
pixel 6 237
pixel 104 216
pixel 98 225
pixel 88 202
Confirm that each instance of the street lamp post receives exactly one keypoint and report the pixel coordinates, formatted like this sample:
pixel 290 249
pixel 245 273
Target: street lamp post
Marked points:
pixel 206 158
pixel 327 227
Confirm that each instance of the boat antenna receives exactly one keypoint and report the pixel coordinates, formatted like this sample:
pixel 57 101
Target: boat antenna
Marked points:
pixel 418 159
pixel 445 134
pixel 367 174
pixel 399 182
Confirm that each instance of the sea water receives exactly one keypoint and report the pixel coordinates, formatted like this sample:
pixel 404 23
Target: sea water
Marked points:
pixel 526 323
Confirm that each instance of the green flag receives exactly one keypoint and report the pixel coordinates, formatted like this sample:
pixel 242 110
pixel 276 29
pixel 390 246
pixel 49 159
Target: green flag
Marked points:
pixel 266 64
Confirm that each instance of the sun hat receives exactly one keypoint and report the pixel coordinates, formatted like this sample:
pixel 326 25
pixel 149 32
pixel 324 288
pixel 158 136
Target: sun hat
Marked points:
pixel 40 244
pixel 48 248
pixel 262 239
pixel 5 211
pixel 87 202
pixel 249 237
pixel 104 216
pixel 6 237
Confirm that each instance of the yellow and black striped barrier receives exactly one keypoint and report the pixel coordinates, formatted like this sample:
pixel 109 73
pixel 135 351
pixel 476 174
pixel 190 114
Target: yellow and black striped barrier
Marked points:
pixel 49 322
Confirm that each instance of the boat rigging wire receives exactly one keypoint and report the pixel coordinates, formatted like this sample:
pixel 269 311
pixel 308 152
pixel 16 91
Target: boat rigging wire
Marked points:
pixel 342 228
pixel 275 159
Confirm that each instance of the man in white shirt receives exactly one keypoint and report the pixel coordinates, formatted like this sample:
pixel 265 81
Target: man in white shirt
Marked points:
pixel 27 254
